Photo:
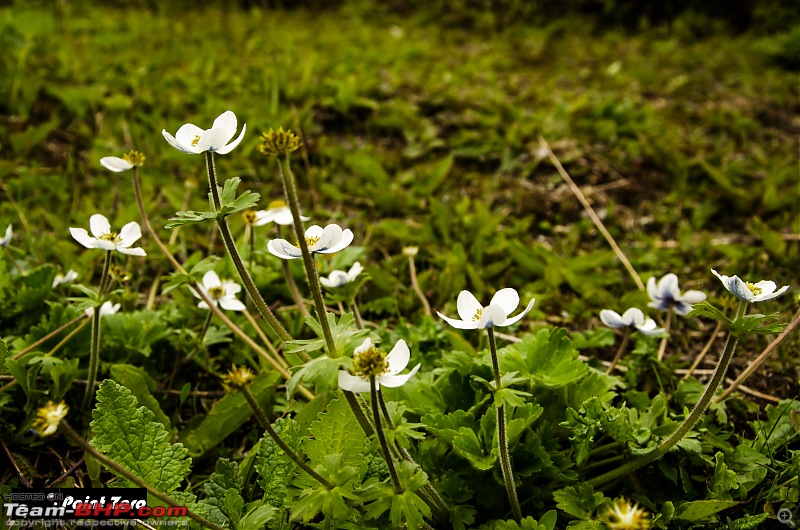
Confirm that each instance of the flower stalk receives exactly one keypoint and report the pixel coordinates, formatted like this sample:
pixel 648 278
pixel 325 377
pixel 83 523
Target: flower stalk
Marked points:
pixel 387 455
pixel 290 190
pixel 112 464
pixel 621 350
pixel 230 244
pixel 94 351
pixel 691 420
pixel 502 440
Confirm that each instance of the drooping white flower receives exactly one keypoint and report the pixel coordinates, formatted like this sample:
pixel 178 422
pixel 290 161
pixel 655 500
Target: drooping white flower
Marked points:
pixel 475 316
pixel 750 292
pixel 339 278
pixel 71 275
pixel 666 295
pixel 106 309
pixel 320 240
pixel 128 161
pixel 193 140
pixel 633 317
pixel 7 237
pixel 277 212
pixel 369 360
pixel 222 292
pixel 104 238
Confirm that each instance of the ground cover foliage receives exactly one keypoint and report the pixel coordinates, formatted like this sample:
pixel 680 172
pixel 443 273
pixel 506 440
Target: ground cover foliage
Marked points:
pixel 415 134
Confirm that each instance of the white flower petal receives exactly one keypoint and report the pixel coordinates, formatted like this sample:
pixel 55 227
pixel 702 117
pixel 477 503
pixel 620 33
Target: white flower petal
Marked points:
pixel 354 271
pixel 188 137
pixel 612 319
pixel 668 287
pixel 82 236
pixel 652 288
pixel 366 345
pixel 99 225
pixel 393 381
pixel 227 123
pixel 203 305
pixel 493 315
pixel 283 249
pixel 132 251
pixel 230 287
pixel 175 143
pixel 330 236
pixel 693 297
pixel 769 296
pixel 211 140
pixel 648 327
pixel 346 239
pixel 211 280
pixel 398 357
pixel 130 234
pixel 231 146
pixel 336 279
pixel 262 217
pixel 507 299
pixel 633 317
pixel 515 319
pixel 352 383
pixel 459 324
pixel 115 164
pixel 467 305
pixel 7 237
pixel 231 303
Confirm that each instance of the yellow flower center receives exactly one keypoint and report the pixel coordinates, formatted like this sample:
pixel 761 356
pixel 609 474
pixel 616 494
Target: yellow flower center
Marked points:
pixel 237 377
pixel 622 515
pixel 370 362
pixel 249 217
pixel 118 273
pixel 274 205
pixel 312 240
pixel 755 290
pixel 274 143
pixel 135 158
pixel 196 141
pixel 216 292
pixel 111 236
pixel 477 315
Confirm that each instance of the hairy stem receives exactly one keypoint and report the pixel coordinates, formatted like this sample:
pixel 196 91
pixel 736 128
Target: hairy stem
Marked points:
pixel 112 464
pixel 292 285
pixel 94 351
pixel 230 244
pixel 290 189
pixel 502 441
pixel 376 415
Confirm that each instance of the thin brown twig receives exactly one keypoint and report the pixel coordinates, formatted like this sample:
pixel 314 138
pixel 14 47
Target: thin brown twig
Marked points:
pixel 592 214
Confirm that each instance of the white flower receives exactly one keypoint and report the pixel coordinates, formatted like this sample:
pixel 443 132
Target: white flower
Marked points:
pixel 128 161
pixel 49 417
pixel 6 238
pixel 340 278
pixel 106 309
pixel 320 240
pixel 222 292
pixel 369 360
pixel 666 295
pixel 475 316
pixel 750 292
pixel 277 212
pixel 105 239
pixel 193 140
pixel 71 275
pixel 633 317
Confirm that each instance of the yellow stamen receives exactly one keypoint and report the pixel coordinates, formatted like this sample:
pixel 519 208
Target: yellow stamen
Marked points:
pixel 196 140
pixel 274 205
pixel 755 290
pixel 477 315
pixel 249 217
pixel 370 362
pixel 135 158
pixel 312 240
pixel 237 377
pixel 111 236
pixel 216 293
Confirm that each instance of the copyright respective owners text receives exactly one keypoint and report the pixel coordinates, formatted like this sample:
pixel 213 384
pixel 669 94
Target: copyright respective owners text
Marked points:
pixel 60 507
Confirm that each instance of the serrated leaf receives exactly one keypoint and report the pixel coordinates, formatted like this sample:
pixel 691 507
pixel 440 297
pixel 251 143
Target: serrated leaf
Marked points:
pixel 580 501
pixel 336 431
pixel 188 217
pixel 130 435
pixel 223 479
pixel 548 358
pixel 467 445
pixel 275 469
pixel 141 385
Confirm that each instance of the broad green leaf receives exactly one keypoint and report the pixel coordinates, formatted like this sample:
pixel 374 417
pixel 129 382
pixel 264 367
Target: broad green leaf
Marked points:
pixel 467 444
pixel 337 431
pixel 128 434
pixel 141 385
pixel 696 511
pixel 275 469
pixel 547 358
pixel 223 479
pixel 580 501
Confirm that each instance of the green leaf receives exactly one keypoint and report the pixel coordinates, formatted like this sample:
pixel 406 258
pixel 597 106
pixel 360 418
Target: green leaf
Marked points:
pixel 330 502
pixel 222 480
pixel 580 502
pixel 696 511
pixel 337 431
pixel 141 385
pixel 723 480
pixel 321 372
pixel 402 430
pixel 188 217
pixel 129 435
pixel 275 469
pixel 705 309
pixel 406 507
pixel 548 358
pixel 467 444
pixel 230 204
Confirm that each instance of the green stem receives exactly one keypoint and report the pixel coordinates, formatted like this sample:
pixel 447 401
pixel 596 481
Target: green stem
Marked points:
pixel 502 441
pixel 356 314
pixel 358 410
pixel 298 300
pixel 622 347
pixel 48 336
pixel 290 189
pixel 247 280
pixel 265 423
pixel 202 334
pixel 662 347
pixel 111 464
pixel 387 455
pixel 94 352
pixel 690 421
